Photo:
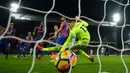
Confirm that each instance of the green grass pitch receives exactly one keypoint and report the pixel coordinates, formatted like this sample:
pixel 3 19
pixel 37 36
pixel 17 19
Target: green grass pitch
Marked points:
pixel 111 64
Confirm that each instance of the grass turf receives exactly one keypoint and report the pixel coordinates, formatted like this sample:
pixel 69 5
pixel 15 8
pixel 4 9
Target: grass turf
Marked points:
pixel 111 64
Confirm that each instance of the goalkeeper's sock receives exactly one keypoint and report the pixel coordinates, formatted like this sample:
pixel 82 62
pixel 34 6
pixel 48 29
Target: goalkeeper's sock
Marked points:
pixel 86 55
pixel 81 52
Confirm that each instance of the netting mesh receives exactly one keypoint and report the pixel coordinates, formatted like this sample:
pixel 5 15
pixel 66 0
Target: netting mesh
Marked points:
pixel 79 14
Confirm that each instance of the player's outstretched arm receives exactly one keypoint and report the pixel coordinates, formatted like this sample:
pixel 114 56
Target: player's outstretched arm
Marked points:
pixel 52 37
pixel 78 18
pixel 52 33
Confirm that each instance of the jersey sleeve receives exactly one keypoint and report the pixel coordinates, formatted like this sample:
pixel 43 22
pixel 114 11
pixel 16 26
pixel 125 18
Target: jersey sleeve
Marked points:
pixel 62 26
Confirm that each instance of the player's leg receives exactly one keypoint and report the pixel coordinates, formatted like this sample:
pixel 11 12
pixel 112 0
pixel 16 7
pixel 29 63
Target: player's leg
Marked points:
pixel 19 54
pixel 25 49
pixel 60 41
pixel 0 46
pixel 41 55
pixel 78 49
pixel 28 47
pixel 24 55
pixel 17 51
pixel 7 46
pixel 39 48
pixel 49 49
pixel 37 53
pixel 21 50
pixel 81 52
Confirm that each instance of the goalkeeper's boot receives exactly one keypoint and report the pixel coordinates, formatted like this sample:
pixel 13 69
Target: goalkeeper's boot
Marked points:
pixel 91 59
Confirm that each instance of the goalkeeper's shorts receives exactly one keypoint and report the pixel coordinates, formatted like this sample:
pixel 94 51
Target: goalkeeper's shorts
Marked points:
pixel 80 44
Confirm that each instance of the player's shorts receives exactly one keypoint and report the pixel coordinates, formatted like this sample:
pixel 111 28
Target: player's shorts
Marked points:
pixel 61 40
pixel 83 41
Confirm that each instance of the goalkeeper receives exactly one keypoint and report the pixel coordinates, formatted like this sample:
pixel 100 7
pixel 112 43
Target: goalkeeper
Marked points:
pixel 82 37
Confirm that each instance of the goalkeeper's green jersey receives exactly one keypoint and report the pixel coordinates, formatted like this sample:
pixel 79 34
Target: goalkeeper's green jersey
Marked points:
pixel 81 33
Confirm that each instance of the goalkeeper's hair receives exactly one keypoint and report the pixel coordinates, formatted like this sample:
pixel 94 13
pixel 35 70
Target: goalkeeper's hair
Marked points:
pixel 71 21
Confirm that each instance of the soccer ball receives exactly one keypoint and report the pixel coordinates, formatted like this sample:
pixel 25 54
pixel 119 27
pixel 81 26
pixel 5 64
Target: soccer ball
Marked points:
pixel 62 62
